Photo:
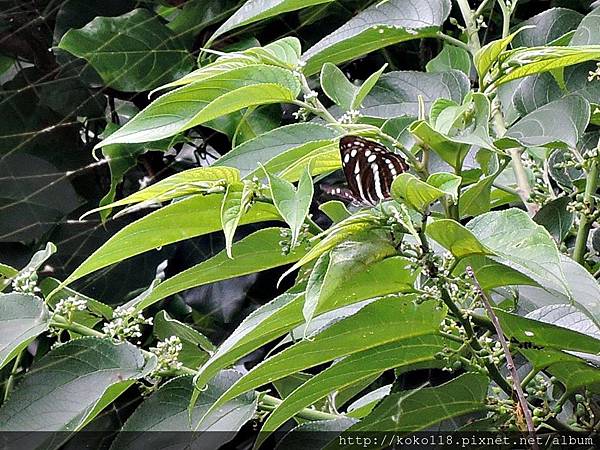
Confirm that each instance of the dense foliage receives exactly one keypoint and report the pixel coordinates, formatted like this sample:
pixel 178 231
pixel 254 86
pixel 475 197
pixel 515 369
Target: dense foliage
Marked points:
pixel 167 160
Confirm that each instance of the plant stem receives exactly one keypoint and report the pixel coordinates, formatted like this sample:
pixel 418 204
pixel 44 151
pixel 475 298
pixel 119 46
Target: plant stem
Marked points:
pixel 469 18
pixel 530 376
pixel 453 41
pixel 11 378
pixel 61 322
pixel 509 361
pixel 585 222
pixel 506 13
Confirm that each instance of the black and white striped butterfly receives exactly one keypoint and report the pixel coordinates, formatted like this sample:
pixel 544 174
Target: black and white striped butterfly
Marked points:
pixel 369 168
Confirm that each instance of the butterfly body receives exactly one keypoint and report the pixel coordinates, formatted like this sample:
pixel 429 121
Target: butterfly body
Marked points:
pixel 369 169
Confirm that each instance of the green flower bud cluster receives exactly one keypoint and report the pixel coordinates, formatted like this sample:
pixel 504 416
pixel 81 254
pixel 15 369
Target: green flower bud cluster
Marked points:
pixel 66 307
pixel 167 353
pixel 26 282
pixel 286 239
pixel 126 323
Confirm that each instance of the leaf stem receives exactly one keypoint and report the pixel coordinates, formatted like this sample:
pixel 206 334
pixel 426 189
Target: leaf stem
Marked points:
pixel 509 361
pixel 11 379
pixel 452 40
pixel 585 222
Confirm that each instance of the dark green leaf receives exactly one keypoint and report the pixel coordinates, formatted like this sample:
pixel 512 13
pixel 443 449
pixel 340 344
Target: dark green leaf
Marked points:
pixel 556 218
pixel 22 319
pixel 97 370
pixel 549 25
pixel 587 32
pixel 378 26
pixel 133 52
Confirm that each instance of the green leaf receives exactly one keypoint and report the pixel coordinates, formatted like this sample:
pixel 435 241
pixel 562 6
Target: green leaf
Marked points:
pixel 418 194
pixel 196 347
pixel 549 25
pixel 256 252
pixel 545 334
pixel 449 58
pixel 390 276
pixel 531 60
pixel 556 218
pixel 255 10
pixel 133 52
pixel 541 129
pixel 236 202
pixel 206 100
pixel 488 55
pixel 378 26
pixel 397 93
pixel 576 376
pixel 520 243
pixel 247 156
pixel 337 87
pixel 587 31
pixel 491 274
pixel 366 88
pixel 50 284
pixel 419 409
pixel 447 182
pixel 191 181
pixel 453 153
pixel 318 158
pixel 335 269
pixel 293 204
pixel 335 210
pixel 405 353
pixel 22 319
pixel 475 199
pixel 456 238
pixel 191 217
pixel 7 273
pixel 167 411
pixel 383 321
pixel 98 370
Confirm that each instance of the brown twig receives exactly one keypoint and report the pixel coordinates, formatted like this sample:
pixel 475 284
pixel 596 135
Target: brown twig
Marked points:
pixel 516 384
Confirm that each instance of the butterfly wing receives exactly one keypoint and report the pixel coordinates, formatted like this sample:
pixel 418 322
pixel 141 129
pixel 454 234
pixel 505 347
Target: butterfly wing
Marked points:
pixel 369 168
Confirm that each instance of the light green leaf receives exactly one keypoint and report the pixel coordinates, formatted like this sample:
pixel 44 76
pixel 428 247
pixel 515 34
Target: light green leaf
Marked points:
pixel 453 153
pixel 420 409
pixel 418 194
pixel 520 243
pixel 541 129
pixel 390 276
pixel 255 10
pixel 167 411
pixel 256 252
pixel 531 60
pixel 292 204
pixel 337 87
pixel 365 88
pixel 134 52
pixel 447 182
pixel 6 274
pixel 383 321
pixel 90 367
pixel 318 158
pixel 450 57
pixel 491 274
pixel 475 199
pixel 236 202
pixel 333 270
pixel 191 217
pixel 203 101
pixel 267 146
pixel 488 55
pixel 382 24
pixel 191 181
pixel 196 347
pixel 22 319
pixel 455 238
pixel 335 210
pixel 363 365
